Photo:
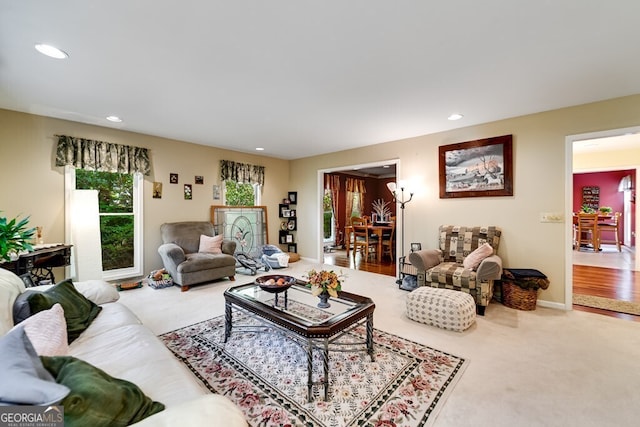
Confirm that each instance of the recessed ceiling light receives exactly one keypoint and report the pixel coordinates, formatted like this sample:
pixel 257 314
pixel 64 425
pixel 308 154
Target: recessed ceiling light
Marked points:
pixel 259 149
pixel 455 116
pixel 51 51
pixel 114 119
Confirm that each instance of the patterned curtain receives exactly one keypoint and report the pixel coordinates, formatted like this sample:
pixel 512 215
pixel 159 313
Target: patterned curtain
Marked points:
pixel 101 156
pixel 244 173
pixel 354 185
pixel 333 184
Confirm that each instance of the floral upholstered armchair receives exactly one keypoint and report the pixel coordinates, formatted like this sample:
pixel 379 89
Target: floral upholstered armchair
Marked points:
pixel 466 261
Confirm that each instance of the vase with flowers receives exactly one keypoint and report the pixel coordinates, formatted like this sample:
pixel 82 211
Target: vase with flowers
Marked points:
pixel 324 284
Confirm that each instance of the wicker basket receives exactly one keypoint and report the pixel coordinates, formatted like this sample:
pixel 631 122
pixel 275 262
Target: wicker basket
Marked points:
pixel 514 296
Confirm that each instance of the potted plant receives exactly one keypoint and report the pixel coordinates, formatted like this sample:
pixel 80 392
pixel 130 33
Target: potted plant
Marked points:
pixel 605 210
pixel 587 209
pixel 14 238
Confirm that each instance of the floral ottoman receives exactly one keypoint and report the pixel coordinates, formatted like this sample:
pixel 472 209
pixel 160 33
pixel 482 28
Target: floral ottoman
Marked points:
pixel 443 308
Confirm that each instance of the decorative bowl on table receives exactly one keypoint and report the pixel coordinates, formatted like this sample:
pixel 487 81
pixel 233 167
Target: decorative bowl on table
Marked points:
pixel 275 283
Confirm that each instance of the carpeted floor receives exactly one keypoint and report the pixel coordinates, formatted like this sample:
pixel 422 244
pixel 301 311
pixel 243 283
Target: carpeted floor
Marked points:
pixel 265 374
pixel 542 368
pixel 607 304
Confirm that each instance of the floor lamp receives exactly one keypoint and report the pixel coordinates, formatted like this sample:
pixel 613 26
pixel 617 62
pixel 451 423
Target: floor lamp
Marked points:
pixel 392 187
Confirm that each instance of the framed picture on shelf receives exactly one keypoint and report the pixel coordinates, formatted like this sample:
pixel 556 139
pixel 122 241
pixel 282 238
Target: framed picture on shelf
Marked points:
pixel 292 212
pixel 479 168
pixel 292 247
pixel 293 197
pixel 291 224
pixel 289 238
pixel 283 208
pixel 283 238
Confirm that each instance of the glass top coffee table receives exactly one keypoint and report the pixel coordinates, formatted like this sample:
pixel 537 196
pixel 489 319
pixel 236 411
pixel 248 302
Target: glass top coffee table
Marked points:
pixel 294 312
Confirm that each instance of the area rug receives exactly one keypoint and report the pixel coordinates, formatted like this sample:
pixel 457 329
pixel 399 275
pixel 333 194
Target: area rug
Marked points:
pixel 265 374
pixel 607 304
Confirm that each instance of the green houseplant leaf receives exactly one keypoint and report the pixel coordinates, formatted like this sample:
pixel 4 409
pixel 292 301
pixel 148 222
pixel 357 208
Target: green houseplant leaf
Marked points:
pixel 14 237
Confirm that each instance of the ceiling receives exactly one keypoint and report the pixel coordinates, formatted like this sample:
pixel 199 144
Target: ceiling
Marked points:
pixel 302 78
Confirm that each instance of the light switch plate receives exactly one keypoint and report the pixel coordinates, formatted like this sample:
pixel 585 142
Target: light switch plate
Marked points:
pixel 551 217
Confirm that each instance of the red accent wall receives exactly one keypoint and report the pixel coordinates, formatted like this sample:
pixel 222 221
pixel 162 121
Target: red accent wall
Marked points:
pixel 608 182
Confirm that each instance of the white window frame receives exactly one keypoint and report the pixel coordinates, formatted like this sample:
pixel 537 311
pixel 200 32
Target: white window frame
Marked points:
pixel 138 225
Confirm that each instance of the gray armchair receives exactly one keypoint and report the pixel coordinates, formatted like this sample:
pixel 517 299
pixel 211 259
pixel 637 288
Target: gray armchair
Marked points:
pixel 444 267
pixel 187 266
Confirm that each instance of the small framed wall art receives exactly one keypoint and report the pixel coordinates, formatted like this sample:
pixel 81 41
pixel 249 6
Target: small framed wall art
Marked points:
pixel 157 190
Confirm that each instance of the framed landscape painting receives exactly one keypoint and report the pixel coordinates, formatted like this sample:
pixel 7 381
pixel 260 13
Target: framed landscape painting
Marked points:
pixel 479 168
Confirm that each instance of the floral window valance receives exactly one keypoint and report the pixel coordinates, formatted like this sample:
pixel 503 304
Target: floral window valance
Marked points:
pixel 101 156
pixel 244 173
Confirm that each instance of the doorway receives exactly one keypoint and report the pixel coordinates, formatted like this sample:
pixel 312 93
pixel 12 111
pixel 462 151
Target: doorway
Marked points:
pixel 615 269
pixel 332 231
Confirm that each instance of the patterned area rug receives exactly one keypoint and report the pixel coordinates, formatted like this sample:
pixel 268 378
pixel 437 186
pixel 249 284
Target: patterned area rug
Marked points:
pixel 265 374
pixel 607 304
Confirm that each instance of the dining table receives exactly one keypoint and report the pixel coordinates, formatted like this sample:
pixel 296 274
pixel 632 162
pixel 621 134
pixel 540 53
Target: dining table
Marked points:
pixel 602 218
pixel 375 228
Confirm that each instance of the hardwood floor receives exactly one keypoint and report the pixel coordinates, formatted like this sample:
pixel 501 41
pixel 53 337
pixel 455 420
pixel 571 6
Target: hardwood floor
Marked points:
pixel 339 258
pixel 608 283
pixel 587 280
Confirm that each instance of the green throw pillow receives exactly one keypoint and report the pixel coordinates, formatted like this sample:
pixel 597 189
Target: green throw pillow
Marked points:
pixel 97 399
pixel 79 312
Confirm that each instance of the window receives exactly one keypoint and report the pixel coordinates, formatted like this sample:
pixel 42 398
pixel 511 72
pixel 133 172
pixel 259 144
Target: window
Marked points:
pixel 120 209
pixel 239 194
pixel 355 210
pixel 328 219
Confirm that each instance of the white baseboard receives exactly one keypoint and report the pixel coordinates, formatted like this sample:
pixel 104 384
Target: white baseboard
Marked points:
pixel 551 304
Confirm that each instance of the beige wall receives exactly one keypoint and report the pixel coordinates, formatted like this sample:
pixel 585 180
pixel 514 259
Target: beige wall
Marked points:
pixel 607 160
pixel 33 186
pixel 540 169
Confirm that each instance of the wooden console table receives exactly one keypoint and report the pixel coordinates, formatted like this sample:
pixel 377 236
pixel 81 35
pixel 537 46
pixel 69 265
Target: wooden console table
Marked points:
pixel 40 262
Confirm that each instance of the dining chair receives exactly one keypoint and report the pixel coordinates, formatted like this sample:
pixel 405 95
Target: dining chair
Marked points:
pixel 610 224
pixel 587 232
pixel 388 240
pixel 363 241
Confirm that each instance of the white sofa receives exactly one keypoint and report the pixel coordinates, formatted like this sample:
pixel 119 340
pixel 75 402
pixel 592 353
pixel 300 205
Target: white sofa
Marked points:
pixel 118 343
